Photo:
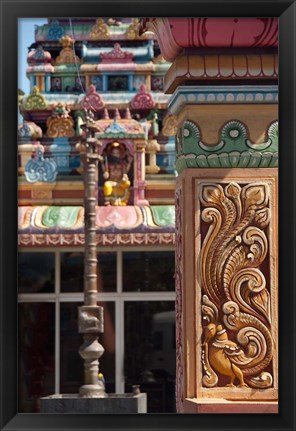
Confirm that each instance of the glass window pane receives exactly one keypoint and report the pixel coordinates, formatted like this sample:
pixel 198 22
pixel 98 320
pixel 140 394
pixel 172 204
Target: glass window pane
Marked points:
pixel 72 366
pixel 72 272
pixel 36 364
pixel 72 269
pixel 36 272
pixel 150 352
pixel 148 271
pixel 117 83
pixel 106 271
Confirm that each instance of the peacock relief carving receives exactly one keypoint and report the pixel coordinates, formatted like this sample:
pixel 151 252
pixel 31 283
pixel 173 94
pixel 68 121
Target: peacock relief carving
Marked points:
pixel 237 345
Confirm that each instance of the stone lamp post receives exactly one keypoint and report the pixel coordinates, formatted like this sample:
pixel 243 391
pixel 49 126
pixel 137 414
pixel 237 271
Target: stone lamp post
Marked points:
pixel 90 315
pixel 92 397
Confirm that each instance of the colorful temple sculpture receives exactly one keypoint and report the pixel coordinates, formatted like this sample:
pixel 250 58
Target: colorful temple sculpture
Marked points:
pixel 104 68
pixel 224 99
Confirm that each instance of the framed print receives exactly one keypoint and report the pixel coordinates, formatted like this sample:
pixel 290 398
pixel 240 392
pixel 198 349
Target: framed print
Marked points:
pixel 146 207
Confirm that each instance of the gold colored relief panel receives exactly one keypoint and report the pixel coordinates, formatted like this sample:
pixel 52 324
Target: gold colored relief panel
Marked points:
pixel 237 289
pixel 234 285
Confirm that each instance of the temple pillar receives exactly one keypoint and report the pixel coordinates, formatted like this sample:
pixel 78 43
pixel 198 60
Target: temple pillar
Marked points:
pixel 223 82
pixel 139 172
pixel 152 147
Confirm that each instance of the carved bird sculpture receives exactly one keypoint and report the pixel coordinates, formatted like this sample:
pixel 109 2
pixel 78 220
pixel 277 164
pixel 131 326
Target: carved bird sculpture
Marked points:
pixel 89 320
pixel 224 354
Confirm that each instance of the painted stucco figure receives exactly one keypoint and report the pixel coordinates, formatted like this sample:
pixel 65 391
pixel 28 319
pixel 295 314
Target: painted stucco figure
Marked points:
pixel 116 165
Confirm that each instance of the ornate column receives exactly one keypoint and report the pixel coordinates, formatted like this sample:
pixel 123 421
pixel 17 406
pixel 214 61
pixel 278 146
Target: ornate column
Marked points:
pixel 224 84
pixel 90 315
pixel 152 148
pixel 139 172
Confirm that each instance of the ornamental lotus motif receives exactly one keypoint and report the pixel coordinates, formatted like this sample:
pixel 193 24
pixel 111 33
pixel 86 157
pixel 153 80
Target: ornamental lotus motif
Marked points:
pixel 116 55
pixel 40 169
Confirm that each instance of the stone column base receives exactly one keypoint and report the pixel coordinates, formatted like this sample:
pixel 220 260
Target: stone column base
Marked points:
pixel 213 405
pixel 112 404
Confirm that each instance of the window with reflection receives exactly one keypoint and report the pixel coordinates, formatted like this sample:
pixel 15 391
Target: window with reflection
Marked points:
pixel 36 365
pixel 150 352
pixel 117 83
pixel 149 324
pixel 72 269
pixel 36 272
pixel 148 271
pixel 72 365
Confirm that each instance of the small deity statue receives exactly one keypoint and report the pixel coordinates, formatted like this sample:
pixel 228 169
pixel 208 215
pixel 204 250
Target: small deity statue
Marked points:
pixel 116 165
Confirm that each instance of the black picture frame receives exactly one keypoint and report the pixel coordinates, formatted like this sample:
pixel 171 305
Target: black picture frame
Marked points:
pixel 10 11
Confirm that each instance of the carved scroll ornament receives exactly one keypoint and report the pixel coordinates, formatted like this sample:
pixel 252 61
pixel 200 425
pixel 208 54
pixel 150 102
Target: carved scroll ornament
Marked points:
pixel 238 345
pixel 60 124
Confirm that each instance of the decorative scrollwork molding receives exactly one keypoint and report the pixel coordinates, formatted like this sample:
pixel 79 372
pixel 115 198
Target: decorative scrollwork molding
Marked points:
pixel 60 124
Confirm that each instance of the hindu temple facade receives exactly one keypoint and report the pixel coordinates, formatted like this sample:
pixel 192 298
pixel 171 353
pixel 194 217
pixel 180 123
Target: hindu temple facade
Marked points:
pixel 103 68
pixel 198 95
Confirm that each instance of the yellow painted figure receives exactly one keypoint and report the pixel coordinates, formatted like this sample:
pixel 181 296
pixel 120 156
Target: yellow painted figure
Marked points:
pixel 116 165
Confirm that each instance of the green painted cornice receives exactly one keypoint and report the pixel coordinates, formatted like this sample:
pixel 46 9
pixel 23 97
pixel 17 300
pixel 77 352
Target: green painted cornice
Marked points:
pixel 233 150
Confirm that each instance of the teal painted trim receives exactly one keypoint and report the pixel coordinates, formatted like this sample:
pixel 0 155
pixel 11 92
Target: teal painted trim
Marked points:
pixel 234 149
pixel 105 82
pixel 66 68
pixel 47 82
pixel 119 136
pixel 119 72
pixel 142 54
pixel 109 97
pixel 199 95
pixel 231 160
pixel 32 81
pixel 130 83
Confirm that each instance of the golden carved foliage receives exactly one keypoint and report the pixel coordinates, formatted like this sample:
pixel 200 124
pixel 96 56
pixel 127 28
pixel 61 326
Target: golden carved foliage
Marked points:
pixel 236 300
pixel 100 31
pixel 60 127
pixel 67 54
pixel 35 101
